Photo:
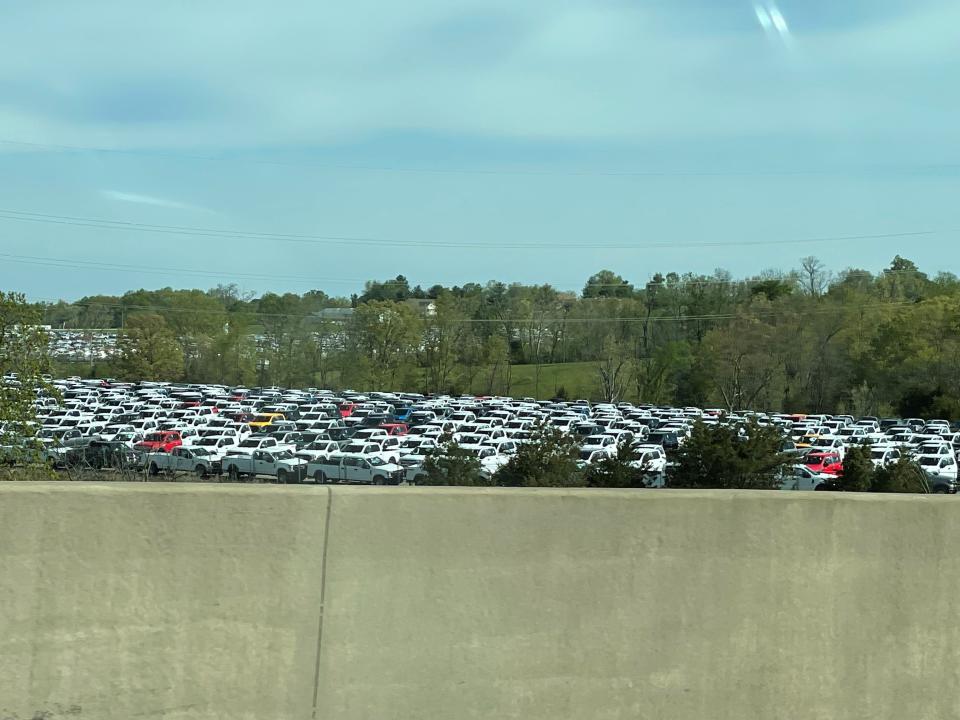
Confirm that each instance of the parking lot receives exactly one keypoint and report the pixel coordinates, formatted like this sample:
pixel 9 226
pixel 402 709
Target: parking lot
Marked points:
pixel 214 432
pixel 82 345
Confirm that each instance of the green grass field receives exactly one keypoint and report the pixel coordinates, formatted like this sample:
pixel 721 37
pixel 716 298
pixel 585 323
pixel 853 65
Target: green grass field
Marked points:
pixel 578 379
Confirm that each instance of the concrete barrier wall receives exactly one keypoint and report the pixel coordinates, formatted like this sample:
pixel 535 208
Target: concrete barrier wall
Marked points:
pixel 164 601
pixel 158 601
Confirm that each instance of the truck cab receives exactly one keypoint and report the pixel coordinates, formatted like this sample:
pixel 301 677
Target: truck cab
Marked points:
pixel 163 442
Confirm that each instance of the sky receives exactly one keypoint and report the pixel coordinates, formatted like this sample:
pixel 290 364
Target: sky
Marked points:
pixel 302 145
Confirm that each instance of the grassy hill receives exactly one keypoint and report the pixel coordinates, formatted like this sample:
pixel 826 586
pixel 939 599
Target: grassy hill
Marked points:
pixel 579 380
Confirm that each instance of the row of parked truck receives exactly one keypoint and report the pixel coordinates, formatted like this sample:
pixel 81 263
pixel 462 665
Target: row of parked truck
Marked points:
pixel 281 465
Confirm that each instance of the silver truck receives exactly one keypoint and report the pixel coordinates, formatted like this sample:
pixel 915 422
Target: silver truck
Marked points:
pixel 355 469
pixel 280 465
pixel 197 460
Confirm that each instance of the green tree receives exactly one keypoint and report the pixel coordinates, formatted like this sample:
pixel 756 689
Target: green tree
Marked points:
pixel 622 470
pixel 385 335
pixel 443 338
pixel 396 290
pixel 742 361
pixel 719 456
pixel 148 350
pixel 451 465
pixel 548 460
pixel 858 471
pixel 607 283
pixel 284 321
pixel 231 355
pixel 903 281
pixel 902 476
pixel 24 371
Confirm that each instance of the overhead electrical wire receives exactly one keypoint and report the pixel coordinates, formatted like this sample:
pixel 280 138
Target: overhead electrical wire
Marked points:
pixel 105 224
pixel 77 264
pixel 398 169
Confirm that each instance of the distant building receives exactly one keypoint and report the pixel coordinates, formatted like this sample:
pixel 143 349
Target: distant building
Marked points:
pixel 336 314
pixel 425 307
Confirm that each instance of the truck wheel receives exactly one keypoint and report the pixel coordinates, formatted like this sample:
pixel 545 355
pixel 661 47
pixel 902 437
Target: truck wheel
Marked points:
pixel 154 470
pixel 282 476
pixel 200 471
pixel 320 477
pixel 234 474
pixel 379 480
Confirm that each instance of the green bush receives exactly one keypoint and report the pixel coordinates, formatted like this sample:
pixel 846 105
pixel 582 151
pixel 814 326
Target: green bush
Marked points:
pixel 548 460
pixel 718 456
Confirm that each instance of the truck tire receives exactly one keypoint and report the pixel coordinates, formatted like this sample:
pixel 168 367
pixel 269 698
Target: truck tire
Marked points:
pixel 200 471
pixel 379 480
pixel 282 476
pixel 320 477
pixel 154 470
pixel 234 474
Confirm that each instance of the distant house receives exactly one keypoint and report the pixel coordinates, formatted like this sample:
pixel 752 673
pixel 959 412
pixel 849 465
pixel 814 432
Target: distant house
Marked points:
pixel 336 314
pixel 425 307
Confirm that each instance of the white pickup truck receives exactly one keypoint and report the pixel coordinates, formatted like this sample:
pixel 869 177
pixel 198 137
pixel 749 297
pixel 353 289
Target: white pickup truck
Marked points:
pixel 261 441
pixel 356 469
pixel 318 450
pixel 279 465
pixel 387 448
pixel 490 460
pixel 199 461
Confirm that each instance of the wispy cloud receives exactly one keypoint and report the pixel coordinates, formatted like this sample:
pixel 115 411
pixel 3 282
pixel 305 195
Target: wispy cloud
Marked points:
pixel 604 70
pixel 148 200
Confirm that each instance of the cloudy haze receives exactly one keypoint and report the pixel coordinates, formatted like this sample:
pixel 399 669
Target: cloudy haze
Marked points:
pixel 643 136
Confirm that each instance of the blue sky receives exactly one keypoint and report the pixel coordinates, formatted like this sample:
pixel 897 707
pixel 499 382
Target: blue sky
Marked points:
pixel 464 141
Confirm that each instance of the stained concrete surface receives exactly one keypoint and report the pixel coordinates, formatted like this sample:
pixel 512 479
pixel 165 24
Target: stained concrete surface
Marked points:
pixel 187 601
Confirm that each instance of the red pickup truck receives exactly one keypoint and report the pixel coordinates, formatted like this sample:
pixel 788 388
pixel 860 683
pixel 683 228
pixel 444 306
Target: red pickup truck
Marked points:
pixel 160 442
pixel 824 462
pixel 395 429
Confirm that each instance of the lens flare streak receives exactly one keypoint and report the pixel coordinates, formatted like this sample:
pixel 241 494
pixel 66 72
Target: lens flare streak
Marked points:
pixel 773 23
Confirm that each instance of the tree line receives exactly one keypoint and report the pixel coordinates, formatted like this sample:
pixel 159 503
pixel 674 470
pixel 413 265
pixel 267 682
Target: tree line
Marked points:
pixel 805 340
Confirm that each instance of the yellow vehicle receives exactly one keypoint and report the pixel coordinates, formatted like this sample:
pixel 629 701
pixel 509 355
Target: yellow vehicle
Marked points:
pixel 809 439
pixel 265 420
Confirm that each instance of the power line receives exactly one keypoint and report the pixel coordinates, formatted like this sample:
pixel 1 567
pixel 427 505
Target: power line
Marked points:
pixel 75 264
pixel 401 169
pixel 104 224
pixel 70 263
